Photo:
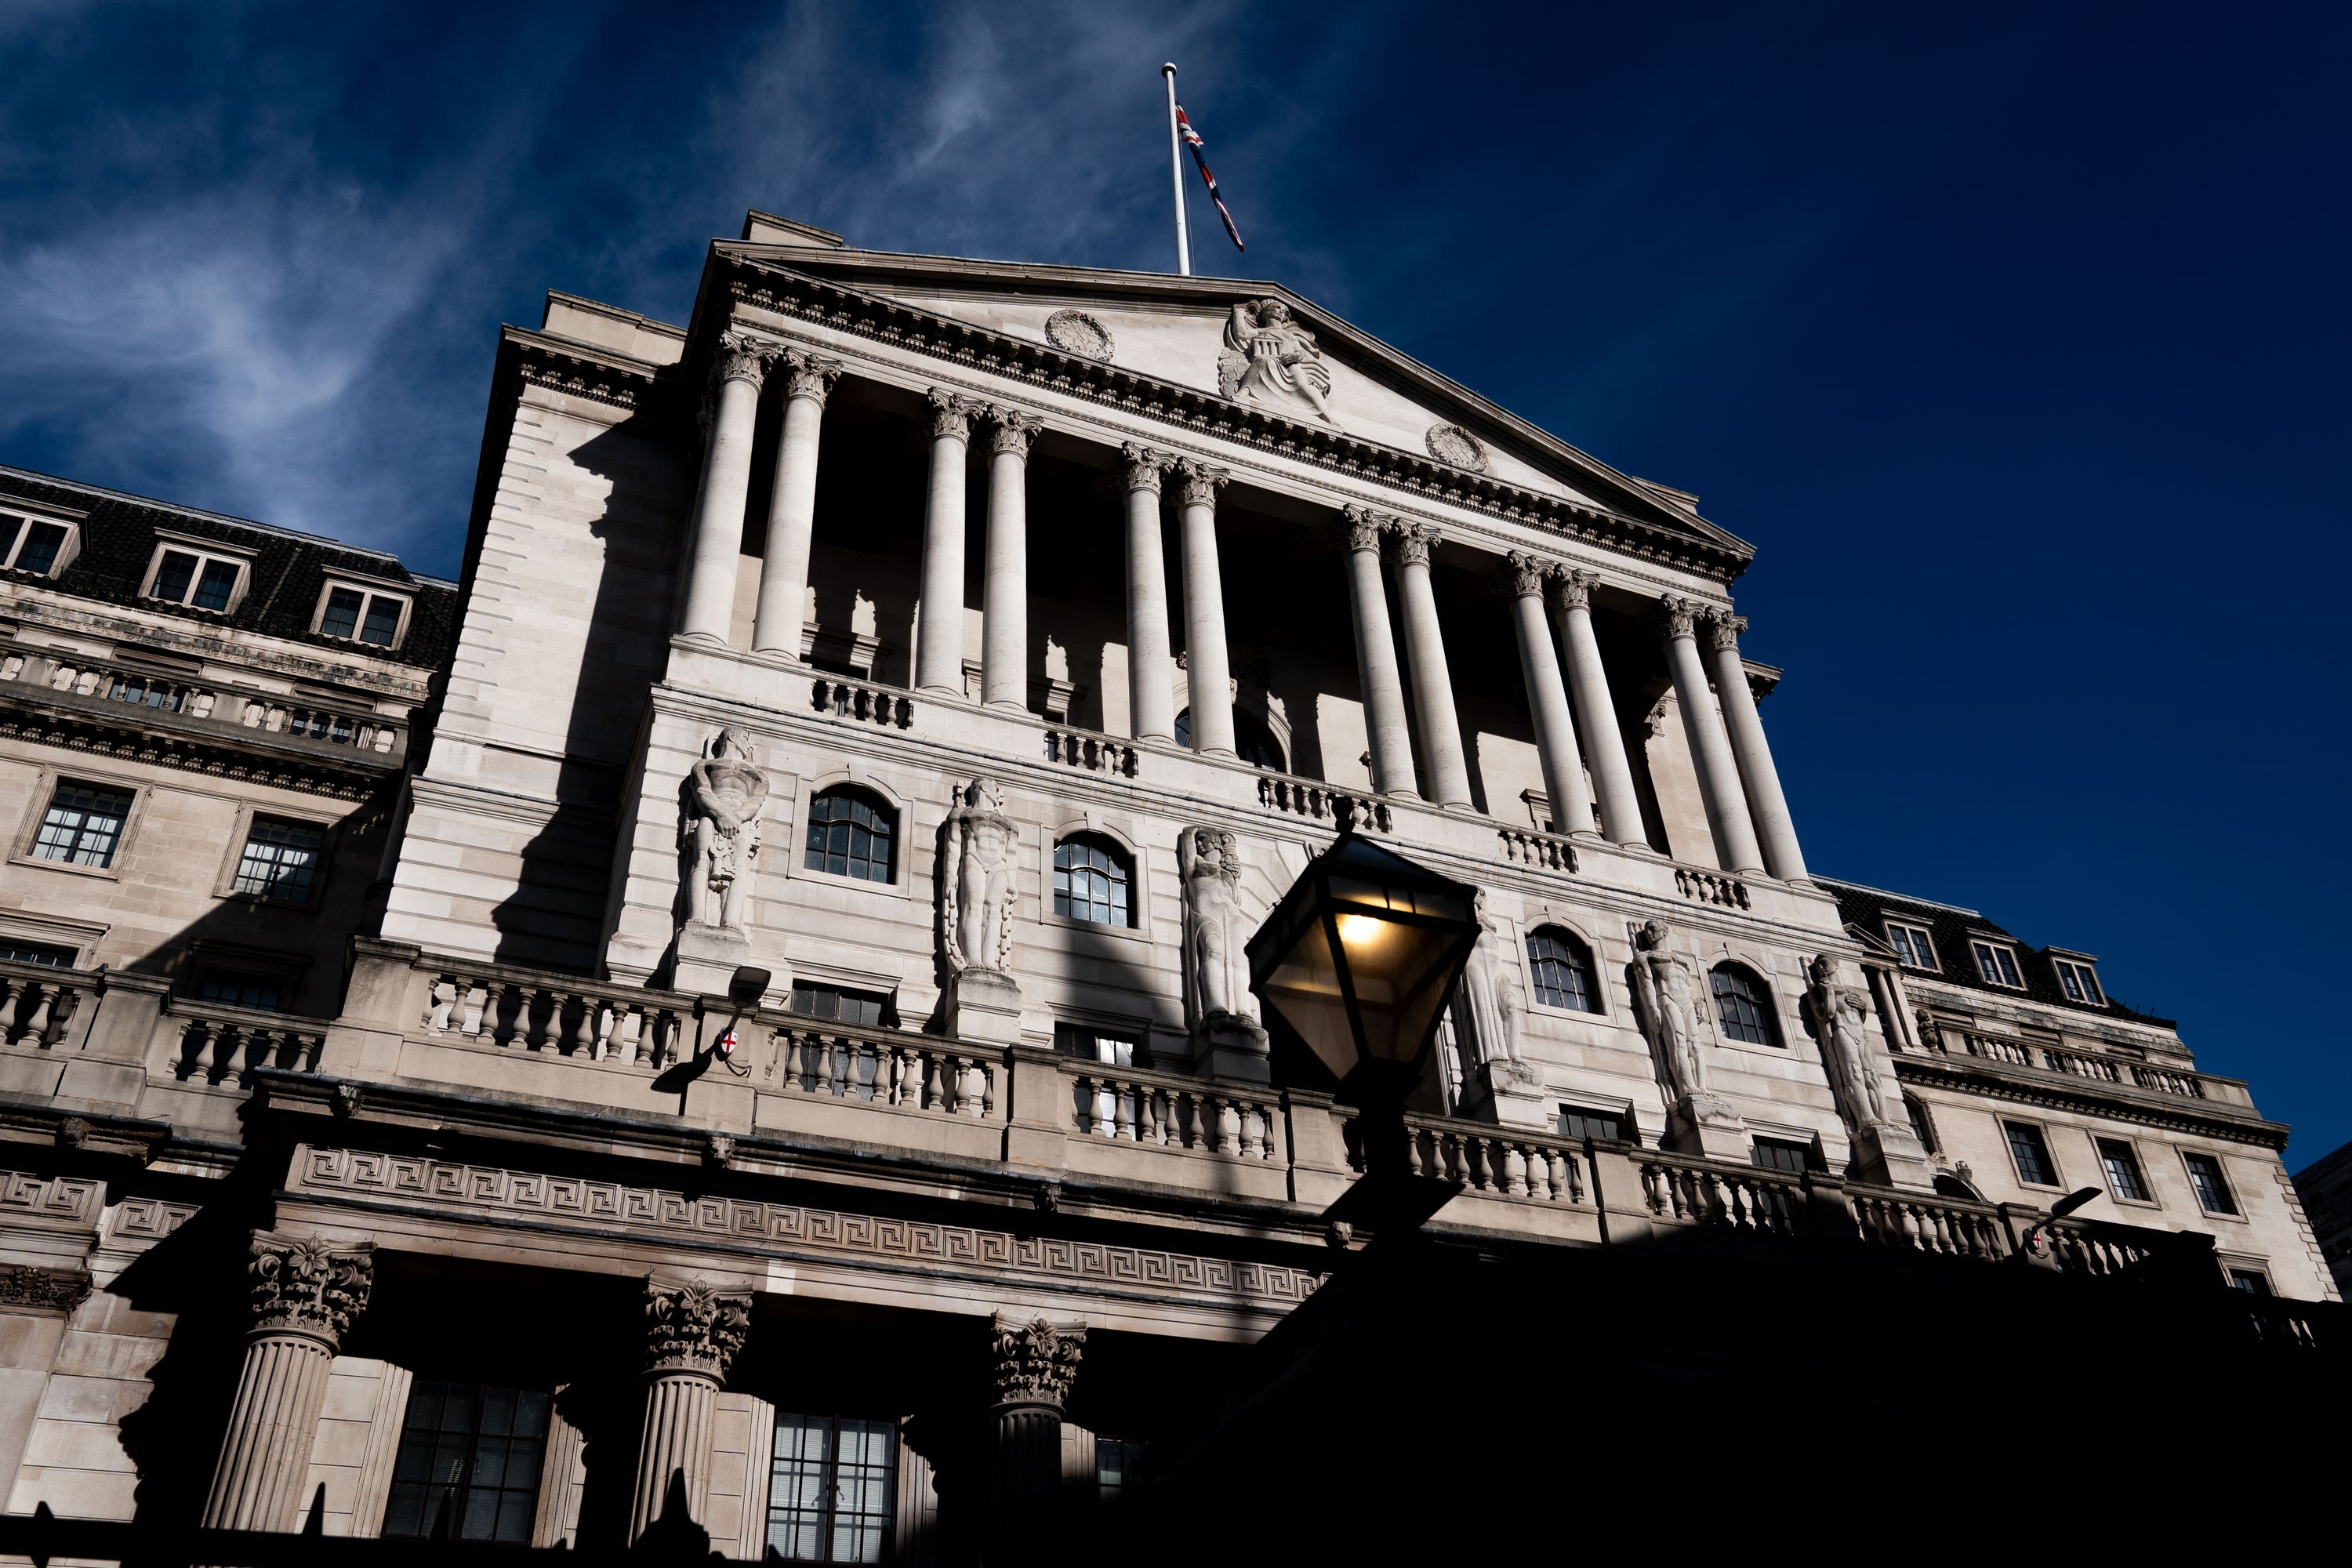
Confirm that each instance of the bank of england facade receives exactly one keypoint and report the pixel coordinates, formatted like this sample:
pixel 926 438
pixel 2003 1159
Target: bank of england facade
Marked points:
pixel 954 661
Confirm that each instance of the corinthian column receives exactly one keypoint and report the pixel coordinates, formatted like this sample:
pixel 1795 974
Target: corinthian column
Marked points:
pixel 692 1333
pixel 1376 659
pixel 1433 686
pixel 738 369
pixel 791 506
pixel 1719 776
pixel 939 655
pixel 1035 1363
pixel 1774 831
pixel 1150 700
pixel 1563 766
pixel 1005 642
pixel 1212 686
pixel 1596 714
pixel 304 1294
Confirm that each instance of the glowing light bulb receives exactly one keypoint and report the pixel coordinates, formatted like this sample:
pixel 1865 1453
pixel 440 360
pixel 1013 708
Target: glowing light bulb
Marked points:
pixel 1361 933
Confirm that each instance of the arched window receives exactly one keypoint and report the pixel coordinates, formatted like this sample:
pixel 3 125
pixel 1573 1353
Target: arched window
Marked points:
pixel 1253 742
pixel 851 833
pixel 1562 967
pixel 1092 879
pixel 1743 1006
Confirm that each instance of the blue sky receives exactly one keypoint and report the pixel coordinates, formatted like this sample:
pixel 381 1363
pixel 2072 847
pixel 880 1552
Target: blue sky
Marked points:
pixel 2014 337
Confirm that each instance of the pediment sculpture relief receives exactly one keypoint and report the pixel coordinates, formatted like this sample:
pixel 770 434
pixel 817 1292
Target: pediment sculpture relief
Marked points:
pixel 1269 358
pixel 1075 332
pixel 719 829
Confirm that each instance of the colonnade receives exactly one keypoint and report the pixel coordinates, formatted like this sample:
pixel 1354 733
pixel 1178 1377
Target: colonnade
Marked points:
pixel 1574 718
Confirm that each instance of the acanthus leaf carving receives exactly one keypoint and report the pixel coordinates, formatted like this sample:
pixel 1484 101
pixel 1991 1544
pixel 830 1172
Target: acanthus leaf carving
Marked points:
pixel 692 1327
pixel 308 1285
pixel 1036 1361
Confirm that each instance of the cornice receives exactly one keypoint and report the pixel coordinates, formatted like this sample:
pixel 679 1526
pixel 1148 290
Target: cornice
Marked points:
pixel 577 370
pixel 752 281
pixel 1976 1077
pixel 75 731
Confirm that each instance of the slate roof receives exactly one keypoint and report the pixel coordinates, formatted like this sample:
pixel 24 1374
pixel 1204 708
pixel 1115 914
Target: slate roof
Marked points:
pixel 1950 927
pixel 288 568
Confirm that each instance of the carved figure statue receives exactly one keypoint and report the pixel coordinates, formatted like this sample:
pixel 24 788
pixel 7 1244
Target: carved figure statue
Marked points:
pixel 1667 989
pixel 720 829
pixel 1487 1006
pixel 1270 358
pixel 1216 972
pixel 1841 1017
pixel 975 881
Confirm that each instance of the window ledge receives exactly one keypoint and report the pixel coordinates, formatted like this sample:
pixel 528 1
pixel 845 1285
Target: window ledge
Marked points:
pixel 107 873
pixel 1099 928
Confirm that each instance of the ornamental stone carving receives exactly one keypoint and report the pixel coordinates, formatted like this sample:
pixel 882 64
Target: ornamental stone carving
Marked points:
pixel 1840 1014
pixel 719 829
pixel 1197 483
pixel 1270 359
pixel 1681 615
pixel 1010 430
pixel 1075 332
pixel 1453 444
pixel 809 375
pixel 1413 542
pixel 975 885
pixel 1216 973
pixel 307 1286
pixel 1667 992
pixel 951 414
pixel 742 357
pixel 1573 589
pixel 691 1327
pixel 1527 574
pixel 46 1289
pixel 1146 466
pixel 1036 1361
pixel 1363 527
pixel 1723 630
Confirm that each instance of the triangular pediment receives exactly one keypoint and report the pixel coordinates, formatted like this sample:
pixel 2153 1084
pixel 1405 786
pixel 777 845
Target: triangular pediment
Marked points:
pixel 1221 338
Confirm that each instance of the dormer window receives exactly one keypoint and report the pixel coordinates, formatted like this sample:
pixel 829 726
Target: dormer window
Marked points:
pixel 37 545
pixel 1997 965
pixel 187 574
pixel 2075 979
pixel 361 613
pixel 1911 945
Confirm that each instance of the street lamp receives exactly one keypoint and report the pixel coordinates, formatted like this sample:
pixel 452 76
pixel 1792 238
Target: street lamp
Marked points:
pixel 1359 957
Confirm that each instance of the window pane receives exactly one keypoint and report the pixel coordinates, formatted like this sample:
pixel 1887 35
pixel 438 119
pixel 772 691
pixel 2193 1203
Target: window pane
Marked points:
pixel 2068 983
pixel 342 613
pixel 1563 969
pixel 849 834
pixel 9 528
pixel 215 586
pixel 2007 968
pixel 83 825
pixel 382 621
pixel 237 988
pixel 1742 1007
pixel 2033 1155
pixel 172 577
pixel 2212 1191
pixel 1090 881
pixel 2251 1283
pixel 279 860
pixel 37 953
pixel 42 542
pixel 466 1464
pixel 831 1491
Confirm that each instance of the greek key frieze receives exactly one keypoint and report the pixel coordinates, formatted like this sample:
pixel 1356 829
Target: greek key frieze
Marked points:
pixel 73 1200
pixel 747 1221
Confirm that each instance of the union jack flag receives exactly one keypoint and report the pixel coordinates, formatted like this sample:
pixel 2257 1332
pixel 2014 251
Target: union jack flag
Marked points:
pixel 1192 139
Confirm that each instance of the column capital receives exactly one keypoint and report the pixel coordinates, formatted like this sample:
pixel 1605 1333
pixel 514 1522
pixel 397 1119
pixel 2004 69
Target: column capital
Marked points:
pixel 1723 629
pixel 1526 573
pixel 1412 542
pixel 1681 615
pixel 1361 527
pixel 743 357
pixel 951 414
pixel 693 1327
pixel 1197 483
pixel 1571 587
pixel 1146 466
pixel 1010 430
pixel 1036 1361
pixel 810 375
pixel 307 1286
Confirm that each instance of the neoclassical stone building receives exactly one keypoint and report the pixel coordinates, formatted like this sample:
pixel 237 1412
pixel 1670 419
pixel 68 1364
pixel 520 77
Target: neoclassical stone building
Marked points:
pixel 955 661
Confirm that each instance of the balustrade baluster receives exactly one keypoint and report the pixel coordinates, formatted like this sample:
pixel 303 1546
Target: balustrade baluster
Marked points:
pixel 1123 1099
pixel 36 1019
pixel 581 1035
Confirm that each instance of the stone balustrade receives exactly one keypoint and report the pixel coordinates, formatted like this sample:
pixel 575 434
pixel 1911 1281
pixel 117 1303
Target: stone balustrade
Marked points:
pixel 900 1072
pixel 1705 1191
pixel 613 1024
pixel 217 1045
pixel 37 1002
pixel 2094 1067
pixel 1993 1048
pixel 1491 1160
pixel 2166 1080
pixel 858 701
pixel 1710 888
pixel 1545 851
pixel 156 693
pixel 1943 1227
pixel 1168 1111
pixel 1094 753
pixel 1321 803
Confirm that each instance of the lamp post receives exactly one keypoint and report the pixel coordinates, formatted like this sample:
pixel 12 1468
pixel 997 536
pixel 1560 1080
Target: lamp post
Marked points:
pixel 1358 958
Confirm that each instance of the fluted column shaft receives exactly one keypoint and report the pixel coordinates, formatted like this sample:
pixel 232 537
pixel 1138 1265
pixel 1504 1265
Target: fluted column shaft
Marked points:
pixel 1210 687
pixel 1563 765
pixel 791 506
pixel 716 540
pixel 1151 696
pixel 1776 834
pixel 305 1294
pixel 939 655
pixel 1004 641
pixel 692 1335
pixel 1036 1361
pixel 1448 777
pixel 1719 775
pixel 1376 661
pixel 1596 712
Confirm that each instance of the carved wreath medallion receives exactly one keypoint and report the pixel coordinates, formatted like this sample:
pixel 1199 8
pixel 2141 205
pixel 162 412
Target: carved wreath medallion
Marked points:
pixel 1075 332
pixel 1452 444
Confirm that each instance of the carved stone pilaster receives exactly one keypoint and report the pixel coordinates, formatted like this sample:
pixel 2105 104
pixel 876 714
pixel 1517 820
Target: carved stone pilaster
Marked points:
pixel 1526 575
pixel 808 375
pixel 693 1328
pixel 743 357
pixel 1010 430
pixel 1036 1361
pixel 304 1285
pixel 1723 630
pixel 1146 466
pixel 951 414
pixel 1571 589
pixel 1413 542
pixel 1681 615
pixel 1197 483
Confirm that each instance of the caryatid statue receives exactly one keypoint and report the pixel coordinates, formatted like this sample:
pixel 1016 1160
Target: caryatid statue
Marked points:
pixel 1216 972
pixel 1841 1015
pixel 975 881
pixel 1667 990
pixel 720 828
pixel 1487 1006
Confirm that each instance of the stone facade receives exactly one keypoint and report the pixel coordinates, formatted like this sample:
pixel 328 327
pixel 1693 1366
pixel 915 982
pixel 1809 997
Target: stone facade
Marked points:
pixel 966 657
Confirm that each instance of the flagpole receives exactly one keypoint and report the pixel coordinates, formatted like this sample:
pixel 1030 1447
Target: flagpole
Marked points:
pixel 1176 178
